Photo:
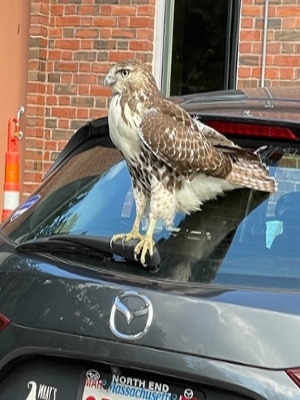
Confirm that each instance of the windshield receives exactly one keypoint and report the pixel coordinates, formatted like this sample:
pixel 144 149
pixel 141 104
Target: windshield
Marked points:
pixel 245 238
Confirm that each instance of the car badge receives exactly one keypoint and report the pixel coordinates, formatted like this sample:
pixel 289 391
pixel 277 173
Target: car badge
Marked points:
pixel 121 305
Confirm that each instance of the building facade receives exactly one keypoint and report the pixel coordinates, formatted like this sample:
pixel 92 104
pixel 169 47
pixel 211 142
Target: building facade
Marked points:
pixel 190 45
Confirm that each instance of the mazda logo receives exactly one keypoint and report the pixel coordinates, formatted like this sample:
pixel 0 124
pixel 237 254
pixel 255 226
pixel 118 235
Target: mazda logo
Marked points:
pixel 131 306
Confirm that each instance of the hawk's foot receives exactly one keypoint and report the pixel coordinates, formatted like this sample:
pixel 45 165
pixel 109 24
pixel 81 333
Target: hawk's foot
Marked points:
pixel 126 237
pixel 145 245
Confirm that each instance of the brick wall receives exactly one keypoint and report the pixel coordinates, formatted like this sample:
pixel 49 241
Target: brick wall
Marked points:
pixel 72 45
pixel 283 43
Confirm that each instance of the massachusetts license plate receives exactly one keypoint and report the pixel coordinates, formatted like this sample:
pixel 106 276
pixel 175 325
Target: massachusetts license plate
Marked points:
pixel 97 385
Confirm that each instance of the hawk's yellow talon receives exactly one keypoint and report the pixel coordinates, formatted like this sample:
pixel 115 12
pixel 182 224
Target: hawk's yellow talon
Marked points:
pixel 126 237
pixel 145 245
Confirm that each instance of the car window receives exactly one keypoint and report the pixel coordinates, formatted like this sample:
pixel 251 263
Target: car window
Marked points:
pixel 245 238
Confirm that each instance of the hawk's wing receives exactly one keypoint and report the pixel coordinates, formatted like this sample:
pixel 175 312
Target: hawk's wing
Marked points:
pixel 226 146
pixel 175 138
pixel 213 136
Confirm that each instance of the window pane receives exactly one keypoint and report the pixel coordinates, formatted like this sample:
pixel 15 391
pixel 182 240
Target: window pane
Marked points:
pixel 200 51
pixel 244 238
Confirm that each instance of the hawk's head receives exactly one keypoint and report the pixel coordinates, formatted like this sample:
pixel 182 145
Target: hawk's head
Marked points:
pixel 130 75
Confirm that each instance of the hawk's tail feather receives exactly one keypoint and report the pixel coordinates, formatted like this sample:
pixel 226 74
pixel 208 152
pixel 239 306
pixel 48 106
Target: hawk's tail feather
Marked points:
pixel 252 175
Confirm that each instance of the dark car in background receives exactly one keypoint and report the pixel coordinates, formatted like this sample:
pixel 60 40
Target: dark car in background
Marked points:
pixel 216 313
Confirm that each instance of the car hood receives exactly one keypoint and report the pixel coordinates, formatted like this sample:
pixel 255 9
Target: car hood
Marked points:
pixel 255 328
pixel 273 104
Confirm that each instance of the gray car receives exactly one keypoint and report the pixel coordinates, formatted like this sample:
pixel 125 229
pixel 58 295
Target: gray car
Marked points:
pixel 215 314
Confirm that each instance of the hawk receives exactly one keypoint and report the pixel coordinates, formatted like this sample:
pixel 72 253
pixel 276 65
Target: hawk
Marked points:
pixel 175 162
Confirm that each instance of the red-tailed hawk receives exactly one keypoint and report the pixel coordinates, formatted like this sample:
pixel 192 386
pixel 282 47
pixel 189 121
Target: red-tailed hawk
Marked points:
pixel 175 162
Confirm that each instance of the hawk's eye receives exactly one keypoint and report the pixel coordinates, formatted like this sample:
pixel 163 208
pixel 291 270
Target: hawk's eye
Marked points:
pixel 124 73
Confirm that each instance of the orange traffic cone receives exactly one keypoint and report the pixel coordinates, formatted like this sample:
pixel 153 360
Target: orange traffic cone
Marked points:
pixel 12 162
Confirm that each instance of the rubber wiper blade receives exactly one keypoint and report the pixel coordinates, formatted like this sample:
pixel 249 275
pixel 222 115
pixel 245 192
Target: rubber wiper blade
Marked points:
pixel 56 243
pixel 86 244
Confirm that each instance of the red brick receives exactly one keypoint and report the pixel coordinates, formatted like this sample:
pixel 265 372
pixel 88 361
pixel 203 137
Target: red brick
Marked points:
pixel 123 22
pixel 105 21
pixel 84 67
pixel 259 23
pixel 68 44
pixel 39 20
pixel 62 112
pixel 70 9
pixel 38 31
pixel 68 21
pixel 288 11
pixel 123 10
pixel 94 113
pixel 57 9
pixel 273 48
pixel 83 90
pixel 123 33
pixel 140 22
pixel 63 123
pixel 250 35
pixel 105 9
pixel 86 44
pixel 100 68
pixel 144 9
pixel 145 34
pixel 116 56
pixel 252 11
pixel 288 23
pixel 82 113
pixel 50 89
pixel 100 91
pixel 46 155
pixel 272 72
pixel 287 73
pixel 66 66
pixel 54 54
pixel 141 45
pixel 244 72
pixel 272 11
pixel 39 8
pixel 247 23
pixel 256 72
pixel 245 48
pixel 286 60
pixel 67 55
pixel 91 10
pixel 84 78
pixel 66 78
pixel 87 21
pixel 64 100
pixel 35 87
pixel 87 33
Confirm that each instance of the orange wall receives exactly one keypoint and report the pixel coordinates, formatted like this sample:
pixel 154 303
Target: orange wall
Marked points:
pixel 14 45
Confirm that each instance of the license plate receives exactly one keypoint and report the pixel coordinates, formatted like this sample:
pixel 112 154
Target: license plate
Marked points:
pixel 97 385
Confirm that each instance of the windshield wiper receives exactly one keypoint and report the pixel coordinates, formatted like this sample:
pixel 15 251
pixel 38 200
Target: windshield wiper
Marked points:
pixel 89 245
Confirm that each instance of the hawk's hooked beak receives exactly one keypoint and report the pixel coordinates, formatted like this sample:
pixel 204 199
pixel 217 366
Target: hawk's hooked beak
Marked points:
pixel 109 80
